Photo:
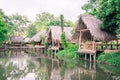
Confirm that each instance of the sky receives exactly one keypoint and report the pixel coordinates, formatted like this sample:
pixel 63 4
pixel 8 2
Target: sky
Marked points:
pixel 71 9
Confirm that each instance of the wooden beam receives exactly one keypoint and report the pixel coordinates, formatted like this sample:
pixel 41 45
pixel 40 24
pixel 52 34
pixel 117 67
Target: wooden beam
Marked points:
pixel 83 30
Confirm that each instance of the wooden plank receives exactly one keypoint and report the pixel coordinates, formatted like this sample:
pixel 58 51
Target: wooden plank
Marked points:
pixel 83 30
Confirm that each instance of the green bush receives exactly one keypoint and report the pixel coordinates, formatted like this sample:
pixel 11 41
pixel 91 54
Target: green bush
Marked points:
pixel 68 53
pixel 111 58
pixel 63 38
pixel 3 30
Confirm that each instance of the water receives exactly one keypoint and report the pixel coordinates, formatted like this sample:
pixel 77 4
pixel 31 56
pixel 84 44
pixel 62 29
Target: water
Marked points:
pixel 39 67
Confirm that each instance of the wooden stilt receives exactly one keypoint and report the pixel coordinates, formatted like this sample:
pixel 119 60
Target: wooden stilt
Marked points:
pixel 85 56
pixel 117 44
pixel 90 58
pixel 111 46
pixel 94 65
pixel 90 66
pixel 55 54
pixel 94 57
pixel 85 64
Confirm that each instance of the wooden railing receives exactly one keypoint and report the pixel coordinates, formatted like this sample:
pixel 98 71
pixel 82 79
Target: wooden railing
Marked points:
pixel 108 46
pixel 101 46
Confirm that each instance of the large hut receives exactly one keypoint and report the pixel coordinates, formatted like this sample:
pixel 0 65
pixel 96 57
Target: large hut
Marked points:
pixel 38 37
pixel 88 32
pixel 89 27
pixel 16 40
pixel 54 35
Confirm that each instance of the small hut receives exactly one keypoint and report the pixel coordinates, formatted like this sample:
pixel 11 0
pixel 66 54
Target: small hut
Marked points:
pixel 54 35
pixel 88 32
pixel 16 40
pixel 37 39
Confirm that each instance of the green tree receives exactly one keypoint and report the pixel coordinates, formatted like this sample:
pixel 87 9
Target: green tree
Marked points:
pixel 31 30
pixel 90 7
pixel 108 11
pixel 46 19
pixel 8 23
pixel 19 22
pixel 3 30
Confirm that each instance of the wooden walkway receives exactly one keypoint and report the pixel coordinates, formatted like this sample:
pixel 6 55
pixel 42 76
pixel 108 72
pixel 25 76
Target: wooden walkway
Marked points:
pixel 38 49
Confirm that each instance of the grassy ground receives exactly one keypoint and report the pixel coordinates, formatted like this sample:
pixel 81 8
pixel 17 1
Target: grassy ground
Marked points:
pixel 111 58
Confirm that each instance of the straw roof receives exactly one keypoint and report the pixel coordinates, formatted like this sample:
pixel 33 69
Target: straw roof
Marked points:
pixel 94 32
pixel 55 33
pixel 16 39
pixel 27 39
pixel 36 37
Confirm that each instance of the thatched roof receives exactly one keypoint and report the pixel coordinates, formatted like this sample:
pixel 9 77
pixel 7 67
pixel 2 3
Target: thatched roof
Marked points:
pixel 27 39
pixel 55 33
pixel 36 37
pixel 94 32
pixel 16 39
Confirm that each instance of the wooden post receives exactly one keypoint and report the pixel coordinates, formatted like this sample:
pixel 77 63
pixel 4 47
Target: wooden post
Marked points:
pixel 55 54
pixel 111 46
pixel 94 44
pixel 106 44
pixel 102 46
pixel 94 58
pixel 90 58
pixel 80 40
pixel 85 64
pixel 117 44
pixel 90 66
pixel 85 56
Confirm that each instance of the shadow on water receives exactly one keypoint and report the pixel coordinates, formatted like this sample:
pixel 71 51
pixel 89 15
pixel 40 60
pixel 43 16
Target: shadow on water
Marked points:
pixel 23 65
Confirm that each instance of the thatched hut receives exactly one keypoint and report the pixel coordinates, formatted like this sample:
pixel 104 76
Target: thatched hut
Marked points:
pixel 16 40
pixel 54 35
pixel 38 37
pixel 89 26
pixel 88 30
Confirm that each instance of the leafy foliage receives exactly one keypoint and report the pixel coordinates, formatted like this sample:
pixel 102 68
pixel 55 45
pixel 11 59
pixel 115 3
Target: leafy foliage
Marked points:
pixel 63 39
pixel 8 22
pixel 19 23
pixel 111 58
pixel 48 19
pixel 31 31
pixel 3 30
pixel 108 11
pixel 68 53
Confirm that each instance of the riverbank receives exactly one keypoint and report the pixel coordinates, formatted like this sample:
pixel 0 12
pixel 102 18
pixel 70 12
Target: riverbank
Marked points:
pixel 109 58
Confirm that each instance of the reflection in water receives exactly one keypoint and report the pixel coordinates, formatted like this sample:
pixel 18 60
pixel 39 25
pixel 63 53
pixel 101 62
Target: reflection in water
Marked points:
pixel 22 66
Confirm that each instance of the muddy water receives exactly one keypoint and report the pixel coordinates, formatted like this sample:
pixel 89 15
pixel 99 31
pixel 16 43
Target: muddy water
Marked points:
pixel 19 65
